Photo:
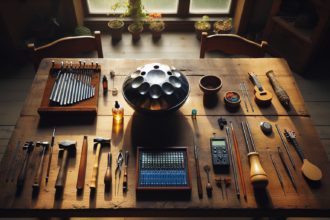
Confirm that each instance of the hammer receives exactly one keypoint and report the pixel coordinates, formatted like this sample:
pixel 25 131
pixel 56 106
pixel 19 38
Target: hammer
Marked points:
pixel 99 142
pixel 66 145
pixel 37 178
pixel 21 176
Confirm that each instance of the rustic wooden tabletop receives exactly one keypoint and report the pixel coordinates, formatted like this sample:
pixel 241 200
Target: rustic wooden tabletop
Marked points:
pixel 177 129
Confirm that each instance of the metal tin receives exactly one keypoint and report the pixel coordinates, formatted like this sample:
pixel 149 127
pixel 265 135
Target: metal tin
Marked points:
pixel 266 127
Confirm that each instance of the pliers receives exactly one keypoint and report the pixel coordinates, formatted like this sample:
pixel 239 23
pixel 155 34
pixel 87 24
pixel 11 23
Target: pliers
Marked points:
pixel 120 159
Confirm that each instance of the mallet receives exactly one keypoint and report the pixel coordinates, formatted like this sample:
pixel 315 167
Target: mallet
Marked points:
pixel 99 142
pixel 37 178
pixel 66 145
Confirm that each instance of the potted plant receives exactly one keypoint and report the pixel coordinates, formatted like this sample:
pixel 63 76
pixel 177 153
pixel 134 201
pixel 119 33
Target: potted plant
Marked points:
pixel 139 16
pixel 117 26
pixel 42 25
pixel 223 27
pixel 202 26
pixel 156 26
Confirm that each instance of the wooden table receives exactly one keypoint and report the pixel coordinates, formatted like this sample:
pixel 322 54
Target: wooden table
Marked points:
pixel 171 130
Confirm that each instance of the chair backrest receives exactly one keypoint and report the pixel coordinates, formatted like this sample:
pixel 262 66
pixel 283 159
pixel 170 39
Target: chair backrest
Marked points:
pixel 232 44
pixel 66 47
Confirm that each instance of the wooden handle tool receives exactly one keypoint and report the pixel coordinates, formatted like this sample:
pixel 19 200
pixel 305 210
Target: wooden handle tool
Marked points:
pixel 280 92
pixel 238 159
pixel 21 176
pixel 82 166
pixel 199 181
pixel 108 174
pixel 96 162
pixel 257 174
pixel 37 178
pixel 66 145
pixel 125 172
pixel 50 154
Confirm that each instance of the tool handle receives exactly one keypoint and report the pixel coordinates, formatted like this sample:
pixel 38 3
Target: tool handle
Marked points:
pixel 22 173
pixel 96 166
pixel 60 181
pixel 239 162
pixel 125 177
pixel 50 160
pixel 280 92
pixel 257 174
pixel 108 176
pixel 82 166
pixel 37 178
pixel 94 175
pixel 199 181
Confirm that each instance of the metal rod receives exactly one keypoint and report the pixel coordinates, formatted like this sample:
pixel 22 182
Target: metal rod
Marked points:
pixel 238 159
pixel 285 146
pixel 12 178
pixel 50 155
pixel 232 160
pixel 246 140
pixel 278 174
pixel 199 181
pixel 12 162
pixel 57 91
pixel 252 142
pixel 286 167
pixel 247 94
pixel 240 84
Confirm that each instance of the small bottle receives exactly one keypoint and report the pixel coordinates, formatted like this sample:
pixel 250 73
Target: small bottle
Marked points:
pixel 193 113
pixel 105 83
pixel 117 112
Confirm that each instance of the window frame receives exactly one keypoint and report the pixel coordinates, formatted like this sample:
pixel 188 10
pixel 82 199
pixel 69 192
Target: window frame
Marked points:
pixel 183 11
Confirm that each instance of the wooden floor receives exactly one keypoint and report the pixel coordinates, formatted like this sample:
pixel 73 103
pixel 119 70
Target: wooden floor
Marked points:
pixel 15 82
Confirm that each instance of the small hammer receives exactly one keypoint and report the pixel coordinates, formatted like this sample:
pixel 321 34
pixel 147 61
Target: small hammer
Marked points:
pixel 99 142
pixel 66 145
pixel 37 178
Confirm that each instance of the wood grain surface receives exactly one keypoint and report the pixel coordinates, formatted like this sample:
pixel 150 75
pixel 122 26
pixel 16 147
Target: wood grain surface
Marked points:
pixel 136 131
pixel 312 199
pixel 232 71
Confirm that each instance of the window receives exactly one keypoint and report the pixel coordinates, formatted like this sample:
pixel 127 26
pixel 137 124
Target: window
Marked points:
pixel 210 7
pixel 182 8
pixel 163 6
pixel 102 7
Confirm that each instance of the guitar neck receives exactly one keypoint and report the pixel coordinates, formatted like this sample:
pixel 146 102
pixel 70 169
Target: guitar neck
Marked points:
pixel 296 145
pixel 257 83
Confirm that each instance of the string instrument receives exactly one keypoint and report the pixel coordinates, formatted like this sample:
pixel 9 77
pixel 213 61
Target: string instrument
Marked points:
pixel 309 170
pixel 261 95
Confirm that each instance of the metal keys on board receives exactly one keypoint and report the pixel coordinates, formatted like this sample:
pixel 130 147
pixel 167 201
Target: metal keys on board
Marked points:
pixel 163 169
pixel 72 85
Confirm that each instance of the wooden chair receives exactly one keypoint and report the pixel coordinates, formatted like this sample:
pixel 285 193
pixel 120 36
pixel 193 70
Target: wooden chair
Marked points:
pixel 232 44
pixel 66 47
